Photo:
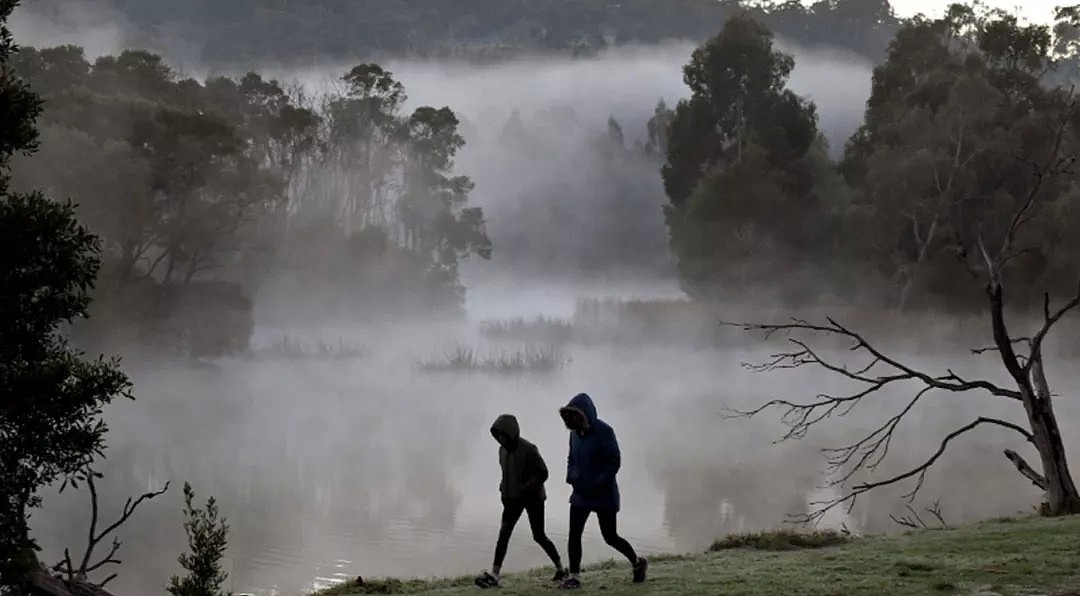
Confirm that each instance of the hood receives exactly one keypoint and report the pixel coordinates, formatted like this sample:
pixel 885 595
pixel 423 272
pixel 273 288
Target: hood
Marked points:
pixel 583 404
pixel 508 425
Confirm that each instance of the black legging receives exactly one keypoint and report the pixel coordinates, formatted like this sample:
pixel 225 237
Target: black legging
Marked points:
pixel 510 516
pixel 578 517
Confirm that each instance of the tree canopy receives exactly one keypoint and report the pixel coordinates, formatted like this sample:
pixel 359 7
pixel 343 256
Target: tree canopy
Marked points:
pixel 932 171
pixel 202 192
pixel 745 166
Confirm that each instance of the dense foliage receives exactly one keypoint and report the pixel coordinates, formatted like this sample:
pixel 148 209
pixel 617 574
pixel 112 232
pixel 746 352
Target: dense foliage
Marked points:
pixel 752 195
pixel 207 535
pixel 961 113
pixel 51 399
pixel 202 192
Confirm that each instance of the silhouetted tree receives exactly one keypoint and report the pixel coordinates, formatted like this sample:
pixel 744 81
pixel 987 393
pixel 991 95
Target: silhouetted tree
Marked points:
pixel 744 158
pixel 51 399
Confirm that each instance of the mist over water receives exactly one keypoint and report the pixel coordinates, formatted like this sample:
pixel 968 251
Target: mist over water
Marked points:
pixel 332 469
pixel 337 468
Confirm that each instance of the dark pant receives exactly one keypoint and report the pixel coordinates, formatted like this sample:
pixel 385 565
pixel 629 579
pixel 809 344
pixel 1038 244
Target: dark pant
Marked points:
pixel 510 516
pixel 606 517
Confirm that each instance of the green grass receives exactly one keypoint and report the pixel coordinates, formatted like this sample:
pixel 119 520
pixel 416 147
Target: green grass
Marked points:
pixel 1017 557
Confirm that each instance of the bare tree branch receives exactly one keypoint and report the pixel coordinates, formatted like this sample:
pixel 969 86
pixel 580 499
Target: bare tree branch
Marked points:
pixel 64 566
pixel 1049 320
pixel 1054 165
pixel 871 449
pixel 1016 340
pixel 914 520
pixel 109 558
pixel 1028 472
pixel 935 510
pixel 804 355
pixel 882 371
pixel 918 472
pixel 75 575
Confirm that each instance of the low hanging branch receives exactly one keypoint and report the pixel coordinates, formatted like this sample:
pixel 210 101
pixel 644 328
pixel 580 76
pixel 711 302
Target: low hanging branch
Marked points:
pixel 73 575
pixel 880 371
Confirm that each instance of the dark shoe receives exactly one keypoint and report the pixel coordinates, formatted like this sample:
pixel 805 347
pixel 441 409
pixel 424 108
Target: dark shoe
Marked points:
pixel 570 583
pixel 640 570
pixel 487 581
pixel 560 575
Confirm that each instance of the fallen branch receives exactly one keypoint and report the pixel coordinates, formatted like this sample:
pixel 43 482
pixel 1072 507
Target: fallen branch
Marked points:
pixel 914 520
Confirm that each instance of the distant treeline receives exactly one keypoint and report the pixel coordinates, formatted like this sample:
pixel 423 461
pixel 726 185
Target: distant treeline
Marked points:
pixel 248 32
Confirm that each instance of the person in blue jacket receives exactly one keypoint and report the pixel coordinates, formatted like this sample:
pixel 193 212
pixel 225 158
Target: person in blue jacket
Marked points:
pixel 591 466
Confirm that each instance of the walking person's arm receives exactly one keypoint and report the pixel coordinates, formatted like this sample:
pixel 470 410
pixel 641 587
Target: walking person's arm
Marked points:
pixel 537 472
pixel 571 469
pixel 612 459
pixel 502 477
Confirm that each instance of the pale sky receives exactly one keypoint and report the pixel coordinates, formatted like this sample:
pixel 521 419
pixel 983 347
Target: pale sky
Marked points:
pixel 1035 10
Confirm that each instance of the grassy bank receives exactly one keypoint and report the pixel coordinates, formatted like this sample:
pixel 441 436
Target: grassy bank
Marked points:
pixel 1014 557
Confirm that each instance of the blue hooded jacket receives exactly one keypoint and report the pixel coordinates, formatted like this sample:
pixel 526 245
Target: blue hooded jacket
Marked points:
pixel 594 460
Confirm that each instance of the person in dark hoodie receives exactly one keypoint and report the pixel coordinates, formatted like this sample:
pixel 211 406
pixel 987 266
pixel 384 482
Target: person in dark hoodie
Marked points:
pixel 591 466
pixel 523 476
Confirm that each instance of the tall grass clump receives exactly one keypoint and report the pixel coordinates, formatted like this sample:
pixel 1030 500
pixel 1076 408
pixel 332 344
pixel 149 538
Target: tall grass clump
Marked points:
pixel 782 540
pixel 290 348
pixel 540 329
pixel 651 322
pixel 530 359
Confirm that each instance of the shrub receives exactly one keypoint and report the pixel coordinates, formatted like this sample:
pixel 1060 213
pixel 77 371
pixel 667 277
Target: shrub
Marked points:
pixel 207 538
pixel 782 540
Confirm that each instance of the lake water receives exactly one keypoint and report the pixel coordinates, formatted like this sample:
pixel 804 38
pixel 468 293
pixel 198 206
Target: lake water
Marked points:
pixel 331 469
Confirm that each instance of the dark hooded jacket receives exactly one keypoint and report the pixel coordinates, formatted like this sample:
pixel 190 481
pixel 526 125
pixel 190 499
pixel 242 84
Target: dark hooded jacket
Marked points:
pixel 523 470
pixel 594 460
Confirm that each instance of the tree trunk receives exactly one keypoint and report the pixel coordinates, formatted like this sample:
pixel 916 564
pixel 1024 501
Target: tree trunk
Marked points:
pixel 905 291
pixel 911 271
pixel 1062 498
